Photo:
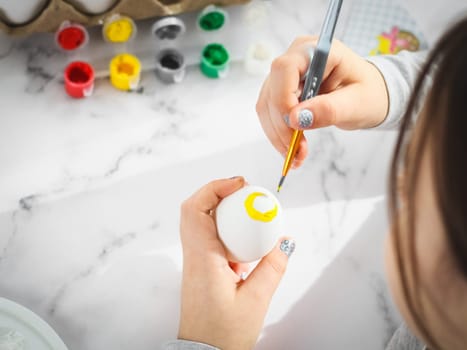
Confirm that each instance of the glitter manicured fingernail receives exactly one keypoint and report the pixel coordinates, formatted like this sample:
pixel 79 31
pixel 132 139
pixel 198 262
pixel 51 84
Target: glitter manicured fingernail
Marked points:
pixel 305 118
pixel 287 247
pixel 287 120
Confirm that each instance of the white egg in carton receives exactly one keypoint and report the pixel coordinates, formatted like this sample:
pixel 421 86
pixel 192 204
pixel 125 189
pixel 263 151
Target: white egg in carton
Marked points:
pixel 29 16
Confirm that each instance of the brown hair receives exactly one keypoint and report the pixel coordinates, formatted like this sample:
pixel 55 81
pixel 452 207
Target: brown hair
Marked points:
pixel 444 125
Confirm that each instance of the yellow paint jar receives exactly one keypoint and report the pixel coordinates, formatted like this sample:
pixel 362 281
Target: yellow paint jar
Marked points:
pixel 125 70
pixel 118 29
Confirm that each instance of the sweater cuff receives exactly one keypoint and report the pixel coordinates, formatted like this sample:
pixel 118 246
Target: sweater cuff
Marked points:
pixel 400 73
pixel 396 89
pixel 187 345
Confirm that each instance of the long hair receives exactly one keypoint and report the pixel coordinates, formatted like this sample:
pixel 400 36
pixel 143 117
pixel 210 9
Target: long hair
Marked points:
pixel 444 125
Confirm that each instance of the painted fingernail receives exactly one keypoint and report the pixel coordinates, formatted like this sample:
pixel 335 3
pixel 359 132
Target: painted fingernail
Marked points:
pixel 305 118
pixel 287 247
pixel 243 276
pixel 234 177
pixel 287 120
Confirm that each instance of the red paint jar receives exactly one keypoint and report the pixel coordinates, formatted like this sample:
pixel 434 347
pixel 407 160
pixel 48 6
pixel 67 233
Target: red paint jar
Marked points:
pixel 79 79
pixel 70 36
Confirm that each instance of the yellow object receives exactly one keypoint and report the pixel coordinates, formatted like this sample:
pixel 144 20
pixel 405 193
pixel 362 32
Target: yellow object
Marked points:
pixel 384 46
pixel 125 71
pixel 255 214
pixel 119 30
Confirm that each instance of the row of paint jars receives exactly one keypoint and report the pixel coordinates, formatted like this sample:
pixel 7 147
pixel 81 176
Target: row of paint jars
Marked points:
pixel 124 69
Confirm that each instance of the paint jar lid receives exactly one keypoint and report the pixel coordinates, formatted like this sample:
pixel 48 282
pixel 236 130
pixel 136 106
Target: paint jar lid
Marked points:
pixel 215 61
pixel 71 36
pixel 168 28
pixel 212 18
pixel 118 29
pixel 170 66
pixel 79 79
pixel 125 70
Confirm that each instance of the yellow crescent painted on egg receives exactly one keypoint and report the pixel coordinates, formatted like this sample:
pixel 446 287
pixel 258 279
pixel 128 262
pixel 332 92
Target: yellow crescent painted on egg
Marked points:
pixel 267 216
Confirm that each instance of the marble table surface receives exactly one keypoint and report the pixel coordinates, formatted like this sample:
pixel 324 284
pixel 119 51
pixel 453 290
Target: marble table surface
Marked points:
pixel 90 193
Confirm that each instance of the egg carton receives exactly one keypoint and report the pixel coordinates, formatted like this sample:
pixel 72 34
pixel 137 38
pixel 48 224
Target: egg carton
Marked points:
pixel 22 17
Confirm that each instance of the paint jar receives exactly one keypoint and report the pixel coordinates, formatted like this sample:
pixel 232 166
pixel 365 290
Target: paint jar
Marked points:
pixel 125 70
pixel 79 79
pixel 118 29
pixel 170 66
pixel 212 18
pixel 258 59
pixel 71 36
pixel 168 28
pixel 215 61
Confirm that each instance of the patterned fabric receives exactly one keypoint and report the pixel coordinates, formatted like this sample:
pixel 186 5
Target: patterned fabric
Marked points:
pixel 370 19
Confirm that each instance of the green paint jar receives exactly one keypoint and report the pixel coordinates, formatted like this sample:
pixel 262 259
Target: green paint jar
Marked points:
pixel 215 61
pixel 212 18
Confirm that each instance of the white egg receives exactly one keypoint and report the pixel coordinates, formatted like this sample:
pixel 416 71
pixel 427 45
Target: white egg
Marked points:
pixel 21 11
pixel 92 6
pixel 249 223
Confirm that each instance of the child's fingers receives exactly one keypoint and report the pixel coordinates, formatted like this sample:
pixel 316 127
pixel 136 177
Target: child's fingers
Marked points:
pixel 264 279
pixel 284 80
pixel 240 269
pixel 265 118
pixel 197 225
pixel 334 108
pixel 208 197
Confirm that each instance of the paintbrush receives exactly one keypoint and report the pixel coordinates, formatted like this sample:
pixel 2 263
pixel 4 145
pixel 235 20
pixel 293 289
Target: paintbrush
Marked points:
pixel 314 76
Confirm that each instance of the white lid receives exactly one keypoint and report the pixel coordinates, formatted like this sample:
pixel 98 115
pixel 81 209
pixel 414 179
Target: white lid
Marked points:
pixel 21 329
pixel 168 28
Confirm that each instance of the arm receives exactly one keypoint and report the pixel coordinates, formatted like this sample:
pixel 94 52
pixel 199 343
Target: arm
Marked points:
pixel 218 307
pixel 356 93
pixel 400 73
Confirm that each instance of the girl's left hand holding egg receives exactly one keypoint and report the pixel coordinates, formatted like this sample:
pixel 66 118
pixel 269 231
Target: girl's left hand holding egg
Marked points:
pixel 218 307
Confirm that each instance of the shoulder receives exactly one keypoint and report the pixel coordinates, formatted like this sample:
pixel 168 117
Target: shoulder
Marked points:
pixel 403 339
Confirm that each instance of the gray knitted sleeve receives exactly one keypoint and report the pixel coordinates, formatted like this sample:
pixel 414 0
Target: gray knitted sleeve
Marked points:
pixel 400 73
pixel 401 340
pixel 186 345
pixel 404 340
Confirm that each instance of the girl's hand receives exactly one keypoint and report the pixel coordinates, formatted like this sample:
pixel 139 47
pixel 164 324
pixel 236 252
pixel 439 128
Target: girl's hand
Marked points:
pixel 353 95
pixel 219 308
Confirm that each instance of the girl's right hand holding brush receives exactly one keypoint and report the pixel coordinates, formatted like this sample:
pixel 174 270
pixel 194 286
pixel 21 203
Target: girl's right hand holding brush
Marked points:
pixel 353 95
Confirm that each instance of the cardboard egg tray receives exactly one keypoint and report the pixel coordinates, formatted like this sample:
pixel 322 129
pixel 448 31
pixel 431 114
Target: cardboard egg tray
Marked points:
pixel 56 12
